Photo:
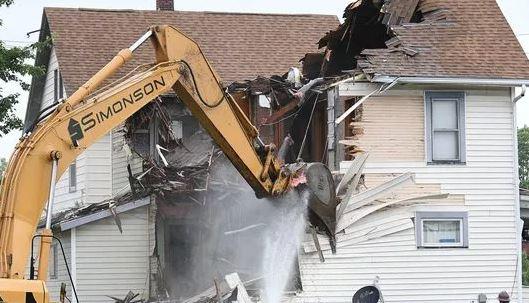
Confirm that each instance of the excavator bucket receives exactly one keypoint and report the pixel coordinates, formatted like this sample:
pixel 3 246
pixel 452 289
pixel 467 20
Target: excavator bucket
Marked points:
pixel 319 192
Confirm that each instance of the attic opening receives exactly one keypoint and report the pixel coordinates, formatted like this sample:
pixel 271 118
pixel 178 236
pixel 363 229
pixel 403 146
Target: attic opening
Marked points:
pixel 368 25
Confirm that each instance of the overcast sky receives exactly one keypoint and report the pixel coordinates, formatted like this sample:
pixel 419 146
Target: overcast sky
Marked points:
pixel 25 16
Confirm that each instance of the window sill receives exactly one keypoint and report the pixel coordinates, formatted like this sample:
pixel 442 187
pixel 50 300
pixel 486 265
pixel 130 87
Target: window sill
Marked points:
pixel 441 247
pixel 446 163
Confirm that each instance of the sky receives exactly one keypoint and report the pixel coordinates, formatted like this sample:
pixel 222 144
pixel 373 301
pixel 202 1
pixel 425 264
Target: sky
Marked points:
pixel 25 16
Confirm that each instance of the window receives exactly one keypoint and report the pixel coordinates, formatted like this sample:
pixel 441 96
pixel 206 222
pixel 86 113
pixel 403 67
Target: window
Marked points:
pixel 53 266
pixel 73 176
pixel 441 229
pixel 177 127
pixel 445 127
pixel 58 88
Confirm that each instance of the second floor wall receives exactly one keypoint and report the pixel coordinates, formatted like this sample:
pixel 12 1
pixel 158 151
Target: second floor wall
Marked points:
pixel 89 178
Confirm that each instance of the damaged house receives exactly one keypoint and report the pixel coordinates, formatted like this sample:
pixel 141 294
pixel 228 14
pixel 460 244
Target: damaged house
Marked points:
pixel 411 103
pixel 423 108
pixel 129 209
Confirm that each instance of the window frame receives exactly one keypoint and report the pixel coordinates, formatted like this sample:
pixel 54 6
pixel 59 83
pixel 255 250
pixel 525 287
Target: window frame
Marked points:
pixel 461 216
pixel 53 271
pixel 72 177
pixel 55 85
pixel 460 97
pixel 58 87
pixel 61 86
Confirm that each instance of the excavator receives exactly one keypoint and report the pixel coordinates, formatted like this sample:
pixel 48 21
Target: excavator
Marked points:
pixel 65 129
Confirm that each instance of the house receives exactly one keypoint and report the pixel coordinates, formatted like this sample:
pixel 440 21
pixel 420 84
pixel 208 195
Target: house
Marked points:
pixel 87 217
pixel 433 86
pixel 415 112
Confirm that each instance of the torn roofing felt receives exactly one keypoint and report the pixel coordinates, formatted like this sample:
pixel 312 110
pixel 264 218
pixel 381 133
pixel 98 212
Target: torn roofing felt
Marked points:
pixel 418 38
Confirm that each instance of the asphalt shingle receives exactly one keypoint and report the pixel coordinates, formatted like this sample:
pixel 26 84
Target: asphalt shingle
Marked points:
pixel 239 46
pixel 458 38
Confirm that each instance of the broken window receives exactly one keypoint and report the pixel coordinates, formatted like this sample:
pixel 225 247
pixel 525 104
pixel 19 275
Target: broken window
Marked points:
pixel 441 229
pixel 445 127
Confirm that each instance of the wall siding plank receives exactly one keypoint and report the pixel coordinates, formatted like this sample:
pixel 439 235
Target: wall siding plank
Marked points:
pixel 409 274
pixel 110 263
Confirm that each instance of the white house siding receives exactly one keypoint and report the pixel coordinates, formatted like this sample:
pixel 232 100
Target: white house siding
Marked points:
pixel 526 294
pixel 94 166
pixel 54 285
pixel 408 274
pixel 63 198
pixel 47 94
pixel 110 263
pixel 99 166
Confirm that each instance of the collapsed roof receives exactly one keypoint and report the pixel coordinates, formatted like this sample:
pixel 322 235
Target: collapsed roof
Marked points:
pixel 425 38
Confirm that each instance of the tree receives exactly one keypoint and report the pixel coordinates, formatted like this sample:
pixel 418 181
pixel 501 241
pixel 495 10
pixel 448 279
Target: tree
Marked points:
pixel 3 165
pixel 14 66
pixel 523 156
pixel 525 269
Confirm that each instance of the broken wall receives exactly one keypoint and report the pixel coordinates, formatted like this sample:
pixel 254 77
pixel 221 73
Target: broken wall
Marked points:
pixel 382 245
pixel 203 236
pixel 390 128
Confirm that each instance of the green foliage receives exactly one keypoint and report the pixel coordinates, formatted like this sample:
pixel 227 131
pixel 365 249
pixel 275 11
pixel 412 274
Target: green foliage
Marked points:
pixel 13 67
pixel 3 165
pixel 523 156
pixel 525 269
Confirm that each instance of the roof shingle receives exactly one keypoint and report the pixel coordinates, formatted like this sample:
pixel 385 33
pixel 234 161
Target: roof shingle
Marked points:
pixel 239 46
pixel 457 38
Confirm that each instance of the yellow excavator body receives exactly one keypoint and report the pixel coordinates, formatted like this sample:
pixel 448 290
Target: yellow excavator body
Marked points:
pixel 64 132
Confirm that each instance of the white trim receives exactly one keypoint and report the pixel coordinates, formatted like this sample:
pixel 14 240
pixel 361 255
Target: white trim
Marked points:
pixel 73 259
pixel 461 99
pixel 111 135
pixel 461 216
pixel 355 106
pixel 357 89
pixel 104 214
pixel 454 81
pixel 517 215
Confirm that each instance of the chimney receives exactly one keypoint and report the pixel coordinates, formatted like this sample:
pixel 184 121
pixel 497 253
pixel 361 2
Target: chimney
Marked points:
pixel 165 5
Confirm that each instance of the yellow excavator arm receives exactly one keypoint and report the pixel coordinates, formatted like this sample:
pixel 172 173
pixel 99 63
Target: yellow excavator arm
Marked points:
pixel 42 156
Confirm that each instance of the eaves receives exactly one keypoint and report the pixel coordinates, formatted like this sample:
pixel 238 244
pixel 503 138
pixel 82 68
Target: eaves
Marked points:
pixel 79 221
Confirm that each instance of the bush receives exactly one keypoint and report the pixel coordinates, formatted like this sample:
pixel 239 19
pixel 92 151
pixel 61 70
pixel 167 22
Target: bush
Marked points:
pixel 525 269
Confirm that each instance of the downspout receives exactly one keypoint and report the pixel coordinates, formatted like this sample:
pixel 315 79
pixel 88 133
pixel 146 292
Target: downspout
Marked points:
pixel 521 95
pixel 517 217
